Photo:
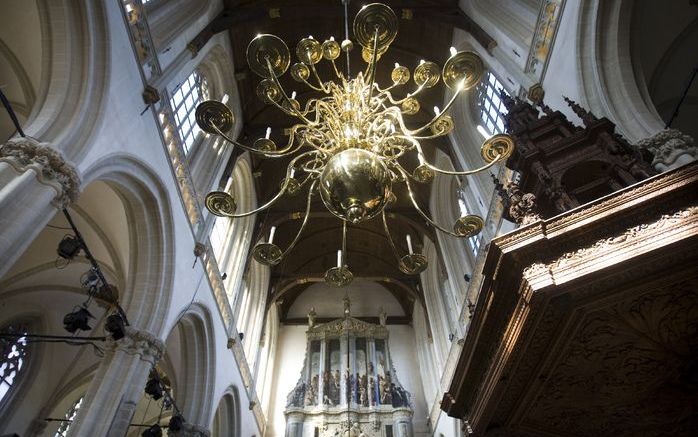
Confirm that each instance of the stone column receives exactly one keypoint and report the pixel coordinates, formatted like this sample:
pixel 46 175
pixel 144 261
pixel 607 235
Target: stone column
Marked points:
pixel 118 385
pixel 344 368
pixel 189 430
pixel 321 379
pixel 34 181
pixel 671 149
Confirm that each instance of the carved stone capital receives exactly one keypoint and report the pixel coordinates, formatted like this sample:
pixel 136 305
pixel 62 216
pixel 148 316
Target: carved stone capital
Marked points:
pixel 51 168
pixel 671 149
pixel 190 430
pixel 142 343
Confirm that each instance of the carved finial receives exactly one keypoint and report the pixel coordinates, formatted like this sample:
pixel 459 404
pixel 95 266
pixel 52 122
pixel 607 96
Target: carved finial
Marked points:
pixel 508 101
pixel 546 109
pixel 586 116
pixel 519 207
pixel 311 317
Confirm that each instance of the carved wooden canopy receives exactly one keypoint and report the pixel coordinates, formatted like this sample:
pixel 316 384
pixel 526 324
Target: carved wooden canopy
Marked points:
pixel 586 324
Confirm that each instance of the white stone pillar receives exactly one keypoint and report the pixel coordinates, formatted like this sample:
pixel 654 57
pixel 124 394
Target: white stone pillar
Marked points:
pixel 671 149
pixel 118 385
pixel 189 430
pixel 34 181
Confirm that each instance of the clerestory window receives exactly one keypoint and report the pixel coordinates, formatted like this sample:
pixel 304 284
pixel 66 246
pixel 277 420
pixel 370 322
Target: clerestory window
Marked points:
pixel 492 108
pixel 184 101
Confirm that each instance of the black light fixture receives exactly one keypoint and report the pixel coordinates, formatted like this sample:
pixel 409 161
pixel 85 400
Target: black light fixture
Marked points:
pixel 115 326
pixel 176 423
pixel 153 388
pixel 466 277
pixel 69 247
pixel 78 319
pixel 241 335
pixel 153 431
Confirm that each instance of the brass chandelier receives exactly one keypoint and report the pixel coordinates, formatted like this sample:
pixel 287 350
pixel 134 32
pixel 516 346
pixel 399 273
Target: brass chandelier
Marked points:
pixel 347 143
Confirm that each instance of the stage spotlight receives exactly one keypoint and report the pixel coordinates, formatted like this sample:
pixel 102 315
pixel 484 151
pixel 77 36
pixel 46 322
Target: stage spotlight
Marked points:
pixel 153 388
pixel 115 326
pixel 69 247
pixel 153 431
pixel 77 320
pixel 176 423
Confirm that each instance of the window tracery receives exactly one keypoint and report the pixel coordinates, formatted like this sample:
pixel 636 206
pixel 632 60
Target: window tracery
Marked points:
pixel 13 354
pixel 184 100
pixel 492 108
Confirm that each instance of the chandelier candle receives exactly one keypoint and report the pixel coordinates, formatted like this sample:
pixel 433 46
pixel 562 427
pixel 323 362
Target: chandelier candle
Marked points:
pixel 347 143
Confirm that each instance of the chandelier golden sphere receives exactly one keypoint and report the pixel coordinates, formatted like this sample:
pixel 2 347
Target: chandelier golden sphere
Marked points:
pixel 355 185
pixel 348 141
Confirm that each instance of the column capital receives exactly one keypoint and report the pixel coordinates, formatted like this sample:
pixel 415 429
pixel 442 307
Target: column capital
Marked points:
pixel 51 168
pixel 671 149
pixel 139 342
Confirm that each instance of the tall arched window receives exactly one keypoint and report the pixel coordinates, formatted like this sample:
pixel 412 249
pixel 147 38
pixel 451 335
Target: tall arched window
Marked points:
pixel 13 354
pixel 184 101
pixel 491 106
pixel 69 417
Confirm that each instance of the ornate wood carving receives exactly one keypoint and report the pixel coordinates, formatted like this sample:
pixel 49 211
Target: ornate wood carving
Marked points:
pixel 563 165
pixel 586 323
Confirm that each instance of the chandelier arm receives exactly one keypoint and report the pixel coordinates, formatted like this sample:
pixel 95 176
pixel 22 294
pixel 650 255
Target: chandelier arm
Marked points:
pixel 275 79
pixel 437 116
pixel 419 89
pixel 337 73
pixel 317 76
pixel 282 190
pixel 265 206
pixel 273 154
pixel 448 172
pixel 390 237
pixel 421 212
pixel 381 91
pixel 311 191
pixel 373 65
pixel 310 85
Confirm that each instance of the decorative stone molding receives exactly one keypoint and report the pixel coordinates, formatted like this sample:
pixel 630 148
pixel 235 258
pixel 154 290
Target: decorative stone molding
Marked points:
pixel 24 153
pixel 138 342
pixel 190 430
pixel 671 149
pixel 536 93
